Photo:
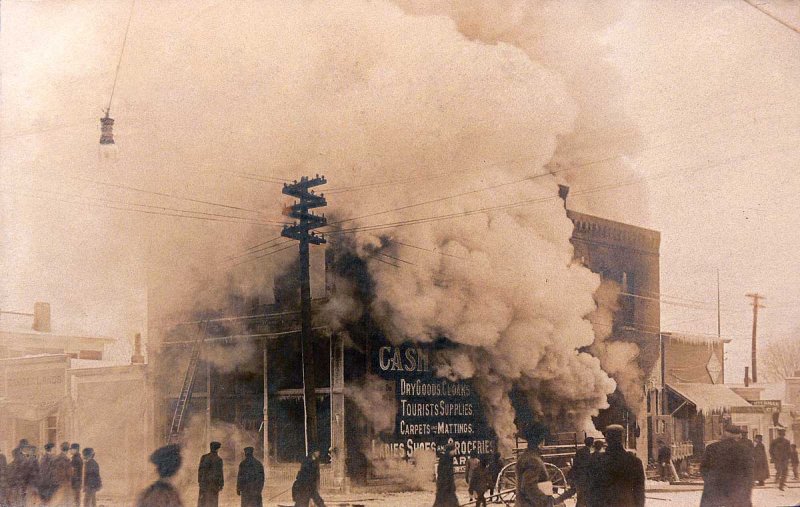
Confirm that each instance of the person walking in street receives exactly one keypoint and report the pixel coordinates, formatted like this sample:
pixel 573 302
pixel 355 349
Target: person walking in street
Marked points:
pixel 306 485
pixel 210 477
pixel 760 461
pixel 445 479
pixel 77 474
pixel 748 450
pixel 92 483
pixel 794 461
pixel 162 493
pixel 664 459
pixel 250 480
pixel 726 472
pixel 531 472
pixel 495 467
pixel 780 451
pixel 472 463
pixel 479 481
pixel 617 476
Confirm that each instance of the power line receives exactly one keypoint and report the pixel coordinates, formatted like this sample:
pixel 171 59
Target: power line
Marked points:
pixel 528 202
pixel 134 210
pixel 164 194
pixel 285 247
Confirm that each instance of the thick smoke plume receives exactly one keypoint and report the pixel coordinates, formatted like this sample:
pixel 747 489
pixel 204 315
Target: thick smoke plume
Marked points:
pixel 395 107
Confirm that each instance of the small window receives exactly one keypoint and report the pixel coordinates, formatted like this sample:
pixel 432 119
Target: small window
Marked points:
pixel 51 429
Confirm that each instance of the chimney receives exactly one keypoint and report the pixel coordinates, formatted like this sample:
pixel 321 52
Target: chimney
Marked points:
pixel 747 376
pixel 41 317
pixel 137 357
pixel 563 192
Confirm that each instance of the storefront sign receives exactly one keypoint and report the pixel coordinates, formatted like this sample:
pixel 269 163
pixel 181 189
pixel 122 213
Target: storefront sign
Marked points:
pixel 429 410
pixel 769 405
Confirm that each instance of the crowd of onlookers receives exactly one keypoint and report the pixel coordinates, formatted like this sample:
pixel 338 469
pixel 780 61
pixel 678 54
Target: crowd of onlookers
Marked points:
pixel 60 476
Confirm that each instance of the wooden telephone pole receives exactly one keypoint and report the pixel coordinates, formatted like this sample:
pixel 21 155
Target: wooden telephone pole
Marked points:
pixel 303 232
pixel 756 298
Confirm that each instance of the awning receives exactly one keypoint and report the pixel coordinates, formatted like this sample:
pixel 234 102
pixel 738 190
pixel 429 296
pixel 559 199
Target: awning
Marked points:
pixel 30 411
pixel 708 398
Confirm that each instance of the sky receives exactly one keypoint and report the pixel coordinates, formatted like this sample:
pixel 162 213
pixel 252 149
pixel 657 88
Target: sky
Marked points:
pixel 687 111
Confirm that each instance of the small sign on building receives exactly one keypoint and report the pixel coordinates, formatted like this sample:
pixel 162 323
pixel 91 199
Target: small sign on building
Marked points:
pixel 770 406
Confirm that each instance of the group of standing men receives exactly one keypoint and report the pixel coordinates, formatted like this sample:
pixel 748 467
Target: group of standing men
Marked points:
pixel 55 478
pixel 211 480
pixel 731 467
pixel 613 476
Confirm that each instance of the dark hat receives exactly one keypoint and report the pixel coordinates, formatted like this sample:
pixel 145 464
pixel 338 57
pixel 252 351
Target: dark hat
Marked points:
pixel 588 441
pixel 48 446
pixel 75 446
pixel 88 452
pixel 167 460
pixel 248 450
pixel 65 446
pixel 215 445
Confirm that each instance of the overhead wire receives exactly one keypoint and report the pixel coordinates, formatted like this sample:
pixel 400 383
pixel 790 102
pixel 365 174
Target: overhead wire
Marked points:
pixel 143 211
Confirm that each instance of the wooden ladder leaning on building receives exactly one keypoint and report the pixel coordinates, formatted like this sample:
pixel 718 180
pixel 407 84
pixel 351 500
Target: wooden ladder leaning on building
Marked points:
pixel 188 386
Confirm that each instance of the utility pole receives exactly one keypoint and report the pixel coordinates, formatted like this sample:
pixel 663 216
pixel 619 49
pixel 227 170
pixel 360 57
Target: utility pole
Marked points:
pixel 303 233
pixel 756 305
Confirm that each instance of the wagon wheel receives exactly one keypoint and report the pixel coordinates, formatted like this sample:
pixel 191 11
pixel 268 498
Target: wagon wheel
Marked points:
pixel 506 486
pixel 557 477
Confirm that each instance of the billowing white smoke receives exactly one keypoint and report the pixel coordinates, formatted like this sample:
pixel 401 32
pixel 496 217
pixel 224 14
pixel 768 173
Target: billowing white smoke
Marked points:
pixel 364 93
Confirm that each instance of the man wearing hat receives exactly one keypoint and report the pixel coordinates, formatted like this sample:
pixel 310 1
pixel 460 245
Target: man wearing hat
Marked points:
pixel 780 450
pixel 617 476
pixel 161 493
pixel 77 474
pixel 210 477
pixel 445 478
pixel 250 480
pixel 531 472
pixel 92 483
pixel 727 472
pixel 306 485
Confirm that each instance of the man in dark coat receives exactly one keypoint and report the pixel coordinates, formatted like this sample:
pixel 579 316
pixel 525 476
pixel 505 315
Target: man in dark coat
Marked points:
pixel 48 482
pixel 62 468
pixel 306 484
pixel 780 450
pixel 617 476
pixel 445 479
pixel 531 471
pixel 161 493
pixel 23 473
pixel 77 474
pixel 210 477
pixel 664 460
pixel 579 473
pixel 92 483
pixel 726 472
pixel 748 449
pixel 760 462
pixel 250 480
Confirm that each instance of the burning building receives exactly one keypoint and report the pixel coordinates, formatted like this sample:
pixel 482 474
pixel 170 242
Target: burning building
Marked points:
pixel 386 400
